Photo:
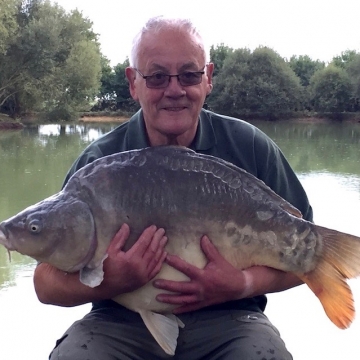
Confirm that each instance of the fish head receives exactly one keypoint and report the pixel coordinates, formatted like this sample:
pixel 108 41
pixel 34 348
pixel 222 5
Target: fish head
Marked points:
pixel 59 230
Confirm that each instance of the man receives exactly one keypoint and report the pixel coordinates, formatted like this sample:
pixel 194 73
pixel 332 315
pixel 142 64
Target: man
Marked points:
pixel 221 307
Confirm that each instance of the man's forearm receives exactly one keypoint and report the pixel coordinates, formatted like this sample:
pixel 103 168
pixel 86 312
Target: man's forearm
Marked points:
pixel 262 280
pixel 56 287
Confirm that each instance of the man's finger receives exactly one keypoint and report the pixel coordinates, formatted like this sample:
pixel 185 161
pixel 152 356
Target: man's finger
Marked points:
pixel 157 242
pixel 144 241
pixel 159 253
pixel 119 240
pixel 158 265
pixel 210 251
pixel 179 264
pixel 180 287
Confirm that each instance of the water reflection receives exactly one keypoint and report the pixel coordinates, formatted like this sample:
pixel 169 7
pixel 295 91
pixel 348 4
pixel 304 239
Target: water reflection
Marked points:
pixel 35 160
pixel 318 147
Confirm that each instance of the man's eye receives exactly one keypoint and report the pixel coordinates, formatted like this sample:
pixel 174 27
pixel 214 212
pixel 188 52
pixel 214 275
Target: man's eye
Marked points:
pixel 189 75
pixel 158 76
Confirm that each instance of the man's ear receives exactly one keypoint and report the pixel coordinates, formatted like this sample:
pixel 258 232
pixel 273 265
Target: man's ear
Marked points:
pixel 130 75
pixel 209 74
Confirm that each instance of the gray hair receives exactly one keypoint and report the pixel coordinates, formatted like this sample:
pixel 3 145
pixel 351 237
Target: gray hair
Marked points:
pixel 156 24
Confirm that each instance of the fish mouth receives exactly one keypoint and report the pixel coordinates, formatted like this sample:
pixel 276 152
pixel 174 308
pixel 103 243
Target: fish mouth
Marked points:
pixel 4 237
pixel 4 240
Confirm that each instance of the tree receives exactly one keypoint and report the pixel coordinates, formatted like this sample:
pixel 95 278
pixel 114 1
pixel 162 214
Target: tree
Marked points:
pixel 343 59
pixel 52 64
pixel 330 90
pixel 258 83
pixel 121 87
pixel 352 68
pixel 80 80
pixel 114 92
pixel 107 91
pixel 218 55
pixel 304 67
pixel 8 23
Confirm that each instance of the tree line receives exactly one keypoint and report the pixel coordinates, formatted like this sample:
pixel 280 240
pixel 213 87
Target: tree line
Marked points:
pixel 261 83
pixel 50 60
pixel 51 64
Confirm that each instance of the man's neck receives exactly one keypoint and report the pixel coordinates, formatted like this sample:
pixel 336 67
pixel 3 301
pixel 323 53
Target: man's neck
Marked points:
pixel 157 139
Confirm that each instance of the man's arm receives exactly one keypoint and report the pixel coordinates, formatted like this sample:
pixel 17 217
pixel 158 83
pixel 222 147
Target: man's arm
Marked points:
pixel 123 271
pixel 219 281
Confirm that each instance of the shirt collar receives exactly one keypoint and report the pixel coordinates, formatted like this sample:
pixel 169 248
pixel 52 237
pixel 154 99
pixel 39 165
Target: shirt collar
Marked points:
pixel 204 138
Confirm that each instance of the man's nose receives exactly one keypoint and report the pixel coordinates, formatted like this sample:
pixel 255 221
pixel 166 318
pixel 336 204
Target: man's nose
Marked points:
pixel 174 88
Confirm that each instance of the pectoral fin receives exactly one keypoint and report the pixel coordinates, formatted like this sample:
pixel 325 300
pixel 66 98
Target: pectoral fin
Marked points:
pixel 164 328
pixel 93 276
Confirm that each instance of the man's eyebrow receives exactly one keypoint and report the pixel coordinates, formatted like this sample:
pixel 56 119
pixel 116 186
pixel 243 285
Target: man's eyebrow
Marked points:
pixel 190 66
pixel 157 67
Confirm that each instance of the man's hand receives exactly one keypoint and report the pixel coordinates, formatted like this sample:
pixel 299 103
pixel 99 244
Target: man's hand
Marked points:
pixel 218 282
pixel 123 271
pixel 127 271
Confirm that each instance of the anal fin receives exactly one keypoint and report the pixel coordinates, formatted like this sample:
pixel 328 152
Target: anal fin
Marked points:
pixel 164 329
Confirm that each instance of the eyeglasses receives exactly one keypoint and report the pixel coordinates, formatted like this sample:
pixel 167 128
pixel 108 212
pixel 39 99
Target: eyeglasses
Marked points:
pixel 160 80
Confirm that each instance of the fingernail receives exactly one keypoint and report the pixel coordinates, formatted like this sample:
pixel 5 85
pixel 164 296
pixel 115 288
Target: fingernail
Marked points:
pixel 159 298
pixel 205 238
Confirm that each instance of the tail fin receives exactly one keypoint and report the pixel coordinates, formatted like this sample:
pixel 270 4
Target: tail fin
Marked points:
pixel 340 260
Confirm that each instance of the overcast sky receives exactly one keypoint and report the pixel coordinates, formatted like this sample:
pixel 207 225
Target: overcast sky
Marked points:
pixel 318 28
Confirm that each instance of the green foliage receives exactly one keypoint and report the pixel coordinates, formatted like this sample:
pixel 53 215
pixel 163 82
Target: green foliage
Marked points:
pixel 107 91
pixel 353 70
pixel 342 60
pixel 51 64
pixel 8 23
pixel 330 90
pixel 114 92
pixel 256 83
pixel 304 67
pixel 218 55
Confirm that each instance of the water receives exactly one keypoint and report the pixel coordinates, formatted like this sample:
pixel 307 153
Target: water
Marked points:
pixel 34 162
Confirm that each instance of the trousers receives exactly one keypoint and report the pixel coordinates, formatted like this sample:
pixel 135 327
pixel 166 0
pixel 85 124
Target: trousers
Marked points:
pixel 120 334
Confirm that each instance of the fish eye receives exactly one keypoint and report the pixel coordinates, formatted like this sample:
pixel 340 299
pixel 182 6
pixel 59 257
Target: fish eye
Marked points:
pixel 34 226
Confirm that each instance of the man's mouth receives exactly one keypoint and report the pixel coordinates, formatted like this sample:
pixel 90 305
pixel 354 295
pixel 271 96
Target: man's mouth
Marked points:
pixel 175 108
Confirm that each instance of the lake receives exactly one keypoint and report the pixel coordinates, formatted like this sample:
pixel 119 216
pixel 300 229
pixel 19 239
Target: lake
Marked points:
pixel 35 160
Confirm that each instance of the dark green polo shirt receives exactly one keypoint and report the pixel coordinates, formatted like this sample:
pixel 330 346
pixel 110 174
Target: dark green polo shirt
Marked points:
pixel 228 138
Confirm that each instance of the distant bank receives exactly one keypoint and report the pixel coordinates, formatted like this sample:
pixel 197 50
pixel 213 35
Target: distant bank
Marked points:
pixel 7 123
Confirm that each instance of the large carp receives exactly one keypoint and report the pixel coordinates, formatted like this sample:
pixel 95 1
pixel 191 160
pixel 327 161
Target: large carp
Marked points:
pixel 189 195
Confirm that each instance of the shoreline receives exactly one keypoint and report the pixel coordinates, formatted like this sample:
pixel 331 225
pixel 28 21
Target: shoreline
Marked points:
pixel 309 119
pixel 9 124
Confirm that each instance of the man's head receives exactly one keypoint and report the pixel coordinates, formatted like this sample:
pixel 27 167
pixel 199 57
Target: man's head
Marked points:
pixel 171 108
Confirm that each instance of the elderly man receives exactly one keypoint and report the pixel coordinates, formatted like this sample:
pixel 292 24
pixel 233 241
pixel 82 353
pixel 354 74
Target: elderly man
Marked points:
pixel 221 307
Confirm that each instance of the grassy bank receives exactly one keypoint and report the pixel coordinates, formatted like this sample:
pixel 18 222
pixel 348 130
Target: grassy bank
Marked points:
pixel 106 116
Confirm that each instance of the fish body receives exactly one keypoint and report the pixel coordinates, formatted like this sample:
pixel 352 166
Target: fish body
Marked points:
pixel 189 195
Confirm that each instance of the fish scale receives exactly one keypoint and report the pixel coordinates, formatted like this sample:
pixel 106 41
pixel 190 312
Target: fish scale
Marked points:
pixel 189 195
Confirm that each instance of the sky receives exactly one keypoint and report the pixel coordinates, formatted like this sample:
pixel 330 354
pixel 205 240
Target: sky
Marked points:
pixel 320 29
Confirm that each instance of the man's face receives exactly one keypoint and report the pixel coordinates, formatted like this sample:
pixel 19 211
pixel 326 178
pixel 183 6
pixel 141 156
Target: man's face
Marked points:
pixel 171 112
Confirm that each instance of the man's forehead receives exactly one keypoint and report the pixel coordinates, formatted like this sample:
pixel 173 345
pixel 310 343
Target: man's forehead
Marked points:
pixel 182 53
